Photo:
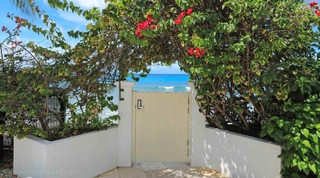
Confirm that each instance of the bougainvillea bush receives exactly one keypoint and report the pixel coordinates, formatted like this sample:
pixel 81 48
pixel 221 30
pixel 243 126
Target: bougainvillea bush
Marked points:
pixel 254 63
pixel 41 84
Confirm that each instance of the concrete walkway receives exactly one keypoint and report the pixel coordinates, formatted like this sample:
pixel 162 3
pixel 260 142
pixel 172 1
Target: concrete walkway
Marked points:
pixel 161 170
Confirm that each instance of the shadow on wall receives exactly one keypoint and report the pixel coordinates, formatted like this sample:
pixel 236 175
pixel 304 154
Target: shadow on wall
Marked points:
pixel 237 155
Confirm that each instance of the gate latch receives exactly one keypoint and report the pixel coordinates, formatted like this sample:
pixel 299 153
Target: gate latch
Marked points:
pixel 139 104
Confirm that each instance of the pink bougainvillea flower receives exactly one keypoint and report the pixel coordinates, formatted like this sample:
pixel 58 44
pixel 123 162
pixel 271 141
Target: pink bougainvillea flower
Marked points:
pixel 189 11
pixel 191 51
pixel 197 52
pixel 313 4
pixel 182 14
pixel 3 28
pixel 317 12
pixel 150 20
pixel 178 21
pixel 138 33
pixel 201 52
pixel 144 25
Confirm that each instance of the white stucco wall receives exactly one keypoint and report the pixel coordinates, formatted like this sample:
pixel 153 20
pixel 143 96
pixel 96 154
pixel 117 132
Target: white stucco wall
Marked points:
pixel 234 155
pixel 197 122
pixel 125 125
pixel 240 156
pixel 85 155
pixel 29 157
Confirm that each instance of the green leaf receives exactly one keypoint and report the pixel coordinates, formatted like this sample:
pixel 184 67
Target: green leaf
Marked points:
pixel 306 143
pixel 302 165
pixel 287 161
pixel 279 135
pixel 231 28
pixel 315 149
pixel 263 133
pixel 280 123
pixel 306 171
pixel 305 132
pixel 315 138
pixel 313 167
pixel 304 150
pixel 270 130
pixel 184 37
pixel 294 162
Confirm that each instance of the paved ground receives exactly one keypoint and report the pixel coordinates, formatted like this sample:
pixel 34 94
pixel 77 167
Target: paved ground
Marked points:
pixel 162 170
pixel 148 170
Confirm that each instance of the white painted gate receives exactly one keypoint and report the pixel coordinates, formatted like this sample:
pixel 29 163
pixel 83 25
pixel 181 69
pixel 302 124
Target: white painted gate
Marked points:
pixel 161 127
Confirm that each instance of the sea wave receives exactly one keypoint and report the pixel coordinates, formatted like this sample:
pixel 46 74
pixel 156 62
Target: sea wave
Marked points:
pixel 167 87
pixel 162 88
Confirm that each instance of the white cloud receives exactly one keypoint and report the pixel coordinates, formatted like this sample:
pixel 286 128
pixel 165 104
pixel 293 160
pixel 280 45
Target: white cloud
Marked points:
pixel 72 17
pixel 84 4
pixel 90 4
pixel 160 69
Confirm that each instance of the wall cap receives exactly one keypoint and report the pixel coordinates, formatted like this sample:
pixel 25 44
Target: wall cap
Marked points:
pixel 126 84
pixel 47 142
pixel 245 136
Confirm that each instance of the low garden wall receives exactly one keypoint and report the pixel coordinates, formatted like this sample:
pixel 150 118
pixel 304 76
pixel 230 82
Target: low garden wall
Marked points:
pixel 94 153
pixel 240 156
pixel 86 155
pixel 82 156
pixel 234 155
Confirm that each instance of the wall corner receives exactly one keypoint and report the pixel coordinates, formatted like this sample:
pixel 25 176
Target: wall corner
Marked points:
pixel 198 126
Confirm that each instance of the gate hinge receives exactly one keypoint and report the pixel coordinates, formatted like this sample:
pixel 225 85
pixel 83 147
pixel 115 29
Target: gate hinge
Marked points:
pixel 188 148
pixel 188 105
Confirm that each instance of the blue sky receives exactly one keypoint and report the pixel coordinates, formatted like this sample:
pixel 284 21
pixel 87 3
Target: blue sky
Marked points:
pixel 65 21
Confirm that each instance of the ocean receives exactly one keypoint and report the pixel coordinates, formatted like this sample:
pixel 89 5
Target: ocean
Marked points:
pixel 162 83
pixel 153 83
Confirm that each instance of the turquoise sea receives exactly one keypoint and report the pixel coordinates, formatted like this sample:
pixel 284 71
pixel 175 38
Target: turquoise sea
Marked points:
pixel 162 83
pixel 154 83
pixel 158 83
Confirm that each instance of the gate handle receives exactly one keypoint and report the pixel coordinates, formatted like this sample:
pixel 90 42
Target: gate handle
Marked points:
pixel 139 104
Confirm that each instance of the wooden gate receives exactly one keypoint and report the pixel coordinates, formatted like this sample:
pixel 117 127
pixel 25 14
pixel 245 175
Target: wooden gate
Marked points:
pixel 161 127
